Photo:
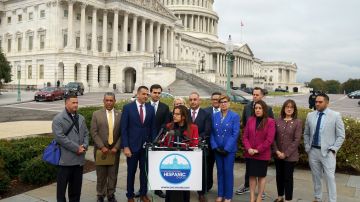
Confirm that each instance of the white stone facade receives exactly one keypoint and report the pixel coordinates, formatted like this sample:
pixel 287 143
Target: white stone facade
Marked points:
pixel 73 40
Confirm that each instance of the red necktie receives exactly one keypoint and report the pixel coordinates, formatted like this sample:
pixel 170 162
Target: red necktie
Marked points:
pixel 141 114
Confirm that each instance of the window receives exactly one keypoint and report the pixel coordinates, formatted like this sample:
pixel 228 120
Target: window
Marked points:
pixel 41 71
pixel 19 18
pixel 19 43
pixel 100 21
pixel 89 44
pixel 78 16
pixel 66 13
pixel 9 45
pixel 29 72
pixel 89 19
pixel 65 40
pixel 9 20
pixel 100 46
pixel 31 40
pixel 42 14
pixel 31 15
pixel 109 46
pixel 77 42
pixel 110 25
pixel 42 41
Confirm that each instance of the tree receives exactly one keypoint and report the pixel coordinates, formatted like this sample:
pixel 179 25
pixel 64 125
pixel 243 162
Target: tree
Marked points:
pixel 332 86
pixel 5 69
pixel 350 85
pixel 317 84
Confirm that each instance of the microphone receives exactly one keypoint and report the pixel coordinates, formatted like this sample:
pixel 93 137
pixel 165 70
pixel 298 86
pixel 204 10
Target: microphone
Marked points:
pixel 162 130
pixel 168 133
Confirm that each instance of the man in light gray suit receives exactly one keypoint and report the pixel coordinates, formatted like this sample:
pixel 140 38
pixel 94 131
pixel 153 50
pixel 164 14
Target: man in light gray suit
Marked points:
pixel 323 136
pixel 72 135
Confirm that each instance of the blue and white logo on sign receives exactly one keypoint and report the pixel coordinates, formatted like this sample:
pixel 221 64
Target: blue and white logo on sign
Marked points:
pixel 175 168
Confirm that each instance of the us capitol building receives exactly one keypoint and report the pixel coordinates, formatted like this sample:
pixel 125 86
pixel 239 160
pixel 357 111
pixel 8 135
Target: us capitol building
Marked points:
pixel 118 44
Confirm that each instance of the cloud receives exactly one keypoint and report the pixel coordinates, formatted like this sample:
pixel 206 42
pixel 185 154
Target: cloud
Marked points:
pixel 322 36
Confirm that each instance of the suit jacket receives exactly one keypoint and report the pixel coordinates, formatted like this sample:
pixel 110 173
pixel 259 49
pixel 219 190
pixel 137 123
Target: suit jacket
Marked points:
pixel 203 122
pixel 249 111
pixel 100 129
pixel 259 139
pixel 161 116
pixel 69 145
pixel 134 133
pixel 332 132
pixel 225 134
pixel 287 138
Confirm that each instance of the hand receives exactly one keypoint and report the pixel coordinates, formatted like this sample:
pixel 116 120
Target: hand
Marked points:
pixel 114 150
pixel 251 152
pixel 104 150
pixel 282 155
pixel 127 152
pixel 81 150
pixel 222 152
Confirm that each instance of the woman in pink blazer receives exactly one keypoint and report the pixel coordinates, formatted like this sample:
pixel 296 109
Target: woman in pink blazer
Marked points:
pixel 258 136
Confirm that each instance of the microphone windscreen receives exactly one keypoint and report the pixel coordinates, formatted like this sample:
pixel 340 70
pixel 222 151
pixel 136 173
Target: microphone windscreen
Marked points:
pixel 171 132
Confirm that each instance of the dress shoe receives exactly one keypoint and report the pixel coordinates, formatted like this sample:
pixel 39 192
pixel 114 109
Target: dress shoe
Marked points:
pixel 144 199
pixel 131 200
pixel 112 198
pixel 137 194
pixel 202 198
pixel 100 199
pixel 160 193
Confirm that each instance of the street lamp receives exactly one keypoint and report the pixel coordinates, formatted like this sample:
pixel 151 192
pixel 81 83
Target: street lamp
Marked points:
pixel 159 52
pixel 202 61
pixel 230 59
pixel 19 77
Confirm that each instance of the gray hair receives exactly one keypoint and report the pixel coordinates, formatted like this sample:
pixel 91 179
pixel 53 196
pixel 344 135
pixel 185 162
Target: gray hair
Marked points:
pixel 109 94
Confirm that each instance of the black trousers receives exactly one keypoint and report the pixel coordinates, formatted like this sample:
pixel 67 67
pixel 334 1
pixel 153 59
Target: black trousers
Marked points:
pixel 177 196
pixel 210 168
pixel 246 184
pixel 207 171
pixel 72 176
pixel 284 178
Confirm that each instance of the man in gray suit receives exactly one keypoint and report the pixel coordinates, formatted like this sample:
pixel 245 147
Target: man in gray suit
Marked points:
pixel 323 136
pixel 105 131
pixel 72 135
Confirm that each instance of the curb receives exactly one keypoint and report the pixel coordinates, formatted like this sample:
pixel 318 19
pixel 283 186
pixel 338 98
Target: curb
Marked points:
pixel 25 101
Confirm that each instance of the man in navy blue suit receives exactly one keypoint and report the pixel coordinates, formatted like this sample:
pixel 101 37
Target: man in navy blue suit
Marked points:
pixel 137 128
pixel 203 121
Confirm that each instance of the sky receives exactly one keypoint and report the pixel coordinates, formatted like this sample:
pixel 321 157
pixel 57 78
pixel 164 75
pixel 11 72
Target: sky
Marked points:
pixel 321 36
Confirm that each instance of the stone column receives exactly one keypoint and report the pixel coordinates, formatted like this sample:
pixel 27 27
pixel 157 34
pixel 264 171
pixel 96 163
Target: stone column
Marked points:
pixel 125 32
pixel 94 31
pixel 70 32
pixel 165 45
pixel 215 27
pixel 204 24
pixel 192 23
pixel 179 48
pixel 186 22
pixel 83 28
pixel 115 32
pixel 151 37
pixel 134 34
pixel 171 44
pixel 217 63
pixel 208 25
pixel 104 40
pixel 158 35
pixel 198 23
pixel 142 44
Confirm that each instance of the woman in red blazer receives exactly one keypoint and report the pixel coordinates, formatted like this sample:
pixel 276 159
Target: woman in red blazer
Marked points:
pixel 258 136
pixel 181 124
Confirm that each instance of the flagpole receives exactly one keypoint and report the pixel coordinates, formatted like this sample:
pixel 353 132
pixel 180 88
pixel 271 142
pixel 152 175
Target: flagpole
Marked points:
pixel 241 30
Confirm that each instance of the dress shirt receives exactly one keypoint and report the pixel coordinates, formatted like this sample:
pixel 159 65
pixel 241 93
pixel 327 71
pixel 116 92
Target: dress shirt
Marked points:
pixel 196 112
pixel 156 105
pixel 143 108
pixel 113 115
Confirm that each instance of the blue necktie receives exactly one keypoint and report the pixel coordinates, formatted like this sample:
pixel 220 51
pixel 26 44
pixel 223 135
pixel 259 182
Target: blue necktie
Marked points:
pixel 317 130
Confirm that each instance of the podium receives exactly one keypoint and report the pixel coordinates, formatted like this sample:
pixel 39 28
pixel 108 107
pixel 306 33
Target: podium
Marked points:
pixel 175 170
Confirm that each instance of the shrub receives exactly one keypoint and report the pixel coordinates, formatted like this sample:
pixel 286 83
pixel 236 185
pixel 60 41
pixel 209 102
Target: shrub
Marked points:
pixel 36 171
pixel 4 178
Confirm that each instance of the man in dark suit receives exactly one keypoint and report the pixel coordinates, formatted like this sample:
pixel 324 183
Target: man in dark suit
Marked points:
pixel 105 132
pixel 203 121
pixel 137 127
pixel 214 108
pixel 258 94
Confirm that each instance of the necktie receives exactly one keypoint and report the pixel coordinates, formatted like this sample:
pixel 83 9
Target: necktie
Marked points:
pixel 141 114
pixel 193 115
pixel 316 134
pixel 111 129
pixel 216 110
pixel 154 105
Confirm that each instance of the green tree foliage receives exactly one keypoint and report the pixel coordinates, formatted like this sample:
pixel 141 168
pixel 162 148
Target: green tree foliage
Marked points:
pixel 317 84
pixel 350 85
pixel 5 69
pixel 332 86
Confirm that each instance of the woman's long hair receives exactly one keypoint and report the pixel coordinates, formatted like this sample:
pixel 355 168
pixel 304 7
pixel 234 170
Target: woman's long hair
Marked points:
pixel 184 113
pixel 265 113
pixel 286 103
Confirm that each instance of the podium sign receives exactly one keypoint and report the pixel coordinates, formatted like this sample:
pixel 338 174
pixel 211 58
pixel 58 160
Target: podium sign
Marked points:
pixel 175 170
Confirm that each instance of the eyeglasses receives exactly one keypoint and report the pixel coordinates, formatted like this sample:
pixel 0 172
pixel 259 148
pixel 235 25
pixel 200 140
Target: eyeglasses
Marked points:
pixel 223 102
pixel 176 114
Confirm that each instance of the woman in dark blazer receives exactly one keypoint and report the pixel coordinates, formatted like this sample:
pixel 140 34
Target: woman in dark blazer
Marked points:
pixel 226 129
pixel 257 139
pixel 285 149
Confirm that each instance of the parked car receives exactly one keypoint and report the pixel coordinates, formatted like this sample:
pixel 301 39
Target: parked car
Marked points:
pixel 166 95
pixel 359 103
pixel 354 95
pixel 49 94
pixel 281 90
pixel 74 87
pixel 248 90
pixel 239 99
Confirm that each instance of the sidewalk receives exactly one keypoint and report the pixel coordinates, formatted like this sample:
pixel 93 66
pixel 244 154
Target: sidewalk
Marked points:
pixel 348 186
pixel 10 97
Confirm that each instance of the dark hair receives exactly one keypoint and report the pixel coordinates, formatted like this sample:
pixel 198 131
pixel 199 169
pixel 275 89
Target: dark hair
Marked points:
pixel 109 94
pixel 265 113
pixel 223 97
pixel 260 89
pixel 215 93
pixel 70 95
pixel 155 86
pixel 321 94
pixel 286 103
pixel 142 87
pixel 184 113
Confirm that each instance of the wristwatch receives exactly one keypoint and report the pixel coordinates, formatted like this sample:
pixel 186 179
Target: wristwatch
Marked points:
pixel 333 151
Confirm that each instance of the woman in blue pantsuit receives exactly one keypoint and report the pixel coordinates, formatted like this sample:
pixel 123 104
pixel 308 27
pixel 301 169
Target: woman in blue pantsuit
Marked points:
pixel 225 132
